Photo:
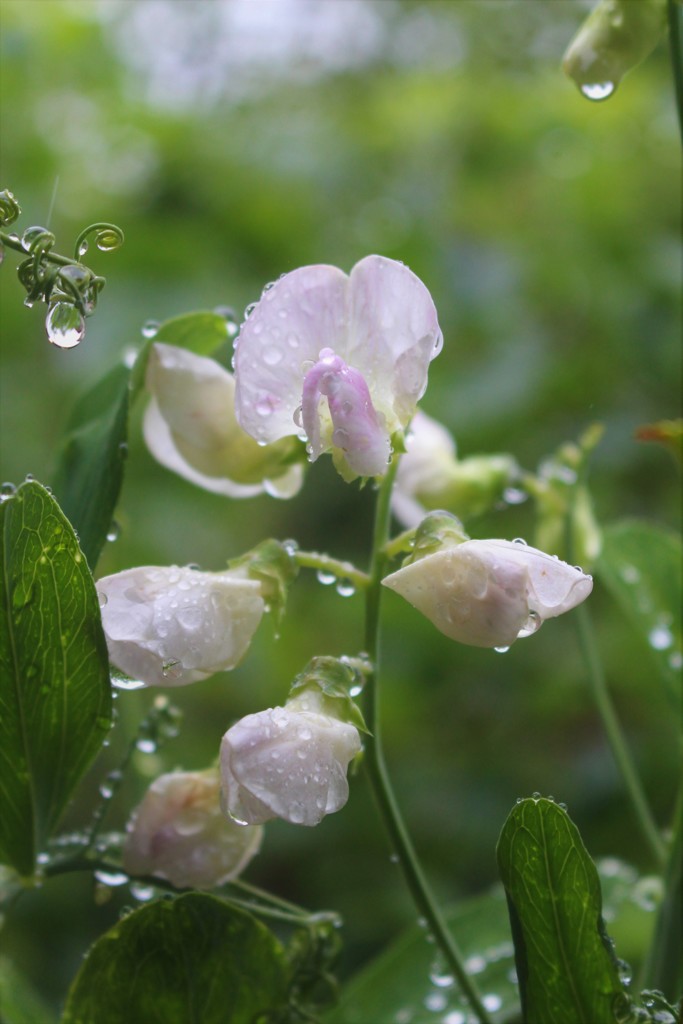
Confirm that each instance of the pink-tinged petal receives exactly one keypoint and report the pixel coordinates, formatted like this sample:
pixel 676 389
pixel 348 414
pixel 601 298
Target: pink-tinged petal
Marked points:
pixel 394 335
pixel 554 586
pixel 304 311
pixel 353 424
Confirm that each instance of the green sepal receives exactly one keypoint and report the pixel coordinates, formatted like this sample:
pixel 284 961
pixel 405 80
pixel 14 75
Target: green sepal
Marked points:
pixel 336 679
pixel 437 530
pixel 273 564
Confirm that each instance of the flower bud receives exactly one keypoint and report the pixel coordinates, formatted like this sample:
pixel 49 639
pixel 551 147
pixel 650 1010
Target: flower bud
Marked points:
pixel 613 39
pixel 178 832
pixel 487 593
pixel 190 428
pixel 288 762
pixel 169 626
pixel 430 475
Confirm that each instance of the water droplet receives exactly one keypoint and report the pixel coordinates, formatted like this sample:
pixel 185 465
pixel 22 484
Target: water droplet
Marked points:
pixel 124 683
pixel 150 329
pixel 630 574
pixel 264 406
pixel 492 1002
pixel 520 540
pixel 172 669
pixel 514 496
pixel 536 795
pixel 108 239
pixel 106 791
pixel 7 490
pixel 249 310
pixel 345 588
pixel 143 893
pixel 439 975
pixel 597 91
pixel 475 964
pixel 325 577
pixel 660 638
pixel 64 325
pixel 111 878
pixel 455 1017
pixel 272 356
pixel 394 858
pixel 502 650
pixel 146 745
pixel 532 624
pixel 31 236
pixel 28 303
pixel 114 531
pixel 436 1001
pixel 83 248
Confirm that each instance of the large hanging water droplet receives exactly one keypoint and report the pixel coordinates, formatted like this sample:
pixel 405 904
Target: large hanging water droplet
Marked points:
pixel 597 91
pixel 325 577
pixel 31 236
pixel 345 588
pixel 7 490
pixel 64 325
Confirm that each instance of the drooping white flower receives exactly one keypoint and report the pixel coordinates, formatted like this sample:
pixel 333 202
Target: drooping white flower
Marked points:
pixel 338 360
pixel 288 762
pixel 179 832
pixel 487 593
pixel 169 626
pixel 430 475
pixel 190 427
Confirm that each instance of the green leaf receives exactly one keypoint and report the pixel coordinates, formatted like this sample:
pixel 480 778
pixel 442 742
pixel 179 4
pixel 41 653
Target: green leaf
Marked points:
pixel 90 467
pixel 409 981
pixel 18 1002
pixel 566 966
pixel 55 694
pixel 201 332
pixel 641 565
pixel 191 960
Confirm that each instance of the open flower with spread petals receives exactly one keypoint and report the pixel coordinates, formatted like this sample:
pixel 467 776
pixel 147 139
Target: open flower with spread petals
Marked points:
pixel 487 593
pixel 337 360
pixel 190 428
pixel 169 626
pixel 288 762
pixel 430 475
pixel 179 832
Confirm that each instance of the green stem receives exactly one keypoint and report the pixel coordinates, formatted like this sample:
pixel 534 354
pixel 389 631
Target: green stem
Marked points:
pixel 379 778
pixel 333 566
pixel 674 12
pixel 663 966
pixel 14 242
pixel 620 752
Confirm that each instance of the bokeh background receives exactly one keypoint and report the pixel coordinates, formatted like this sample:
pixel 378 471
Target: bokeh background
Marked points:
pixel 234 140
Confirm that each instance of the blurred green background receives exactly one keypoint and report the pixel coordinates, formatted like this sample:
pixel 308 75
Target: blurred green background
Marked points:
pixel 234 140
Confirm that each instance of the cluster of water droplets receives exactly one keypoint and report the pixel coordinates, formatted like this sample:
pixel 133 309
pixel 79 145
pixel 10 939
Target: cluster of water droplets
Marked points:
pixel 344 586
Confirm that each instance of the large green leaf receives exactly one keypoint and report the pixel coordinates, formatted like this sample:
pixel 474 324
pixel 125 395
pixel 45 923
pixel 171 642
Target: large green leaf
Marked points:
pixel 641 564
pixel 90 467
pixel 567 970
pixel 408 982
pixel 55 694
pixel 191 960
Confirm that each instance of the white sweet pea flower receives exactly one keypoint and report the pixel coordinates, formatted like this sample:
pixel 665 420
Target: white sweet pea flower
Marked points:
pixel 338 360
pixel 288 762
pixel 169 626
pixel 179 832
pixel 430 475
pixel 487 593
pixel 190 428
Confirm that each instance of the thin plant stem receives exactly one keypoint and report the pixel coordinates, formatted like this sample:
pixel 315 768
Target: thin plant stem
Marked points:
pixel 662 969
pixel 379 778
pixel 674 11
pixel 333 566
pixel 620 751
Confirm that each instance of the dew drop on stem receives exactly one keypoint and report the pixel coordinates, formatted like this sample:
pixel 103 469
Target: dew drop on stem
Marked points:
pixel 64 325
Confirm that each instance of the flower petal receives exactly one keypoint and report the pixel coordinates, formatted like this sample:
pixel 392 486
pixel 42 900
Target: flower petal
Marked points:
pixel 554 586
pixel 394 335
pixel 304 311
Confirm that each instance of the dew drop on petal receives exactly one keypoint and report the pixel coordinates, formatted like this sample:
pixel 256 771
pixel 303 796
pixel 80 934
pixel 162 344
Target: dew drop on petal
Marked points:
pixel 502 650
pixel 64 325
